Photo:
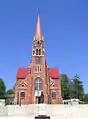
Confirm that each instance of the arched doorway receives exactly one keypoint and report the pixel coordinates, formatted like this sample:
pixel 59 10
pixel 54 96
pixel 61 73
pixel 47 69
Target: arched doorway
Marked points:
pixel 39 97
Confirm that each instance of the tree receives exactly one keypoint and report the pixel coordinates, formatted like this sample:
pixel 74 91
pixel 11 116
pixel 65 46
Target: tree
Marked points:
pixel 72 88
pixel 2 88
pixel 10 95
pixel 10 91
pixel 78 90
pixel 14 87
pixel 86 98
pixel 65 87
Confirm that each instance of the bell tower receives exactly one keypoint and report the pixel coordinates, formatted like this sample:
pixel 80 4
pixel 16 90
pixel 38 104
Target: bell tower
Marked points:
pixel 38 42
pixel 38 65
pixel 38 50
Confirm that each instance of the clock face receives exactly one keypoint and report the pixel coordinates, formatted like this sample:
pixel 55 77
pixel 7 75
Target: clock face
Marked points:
pixel 38 60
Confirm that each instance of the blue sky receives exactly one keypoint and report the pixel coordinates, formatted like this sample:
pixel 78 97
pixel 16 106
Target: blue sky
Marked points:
pixel 65 29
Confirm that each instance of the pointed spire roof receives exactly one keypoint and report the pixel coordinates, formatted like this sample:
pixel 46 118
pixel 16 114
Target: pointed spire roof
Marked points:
pixel 38 35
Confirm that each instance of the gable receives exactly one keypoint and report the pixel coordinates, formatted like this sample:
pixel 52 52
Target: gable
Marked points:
pixel 23 84
pixel 53 83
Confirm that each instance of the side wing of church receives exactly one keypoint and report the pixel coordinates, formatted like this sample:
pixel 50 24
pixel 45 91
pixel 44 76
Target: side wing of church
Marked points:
pixel 38 83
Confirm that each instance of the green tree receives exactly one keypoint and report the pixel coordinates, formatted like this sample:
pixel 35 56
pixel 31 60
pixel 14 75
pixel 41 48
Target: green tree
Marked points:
pixel 65 87
pixel 78 89
pixel 85 97
pixel 10 91
pixel 14 87
pixel 10 95
pixel 2 88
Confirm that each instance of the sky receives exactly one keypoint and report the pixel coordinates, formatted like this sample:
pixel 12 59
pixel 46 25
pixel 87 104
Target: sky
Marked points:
pixel 64 26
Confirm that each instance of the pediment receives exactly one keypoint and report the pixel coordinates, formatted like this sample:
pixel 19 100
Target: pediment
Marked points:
pixel 23 84
pixel 53 84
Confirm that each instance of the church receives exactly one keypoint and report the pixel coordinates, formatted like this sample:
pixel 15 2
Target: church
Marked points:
pixel 38 83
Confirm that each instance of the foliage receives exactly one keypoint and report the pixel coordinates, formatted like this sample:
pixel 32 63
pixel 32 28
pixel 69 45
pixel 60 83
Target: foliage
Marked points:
pixel 72 88
pixel 10 96
pixel 7 95
pixel 2 88
pixel 14 87
pixel 86 97
pixel 78 90
pixel 10 91
pixel 65 86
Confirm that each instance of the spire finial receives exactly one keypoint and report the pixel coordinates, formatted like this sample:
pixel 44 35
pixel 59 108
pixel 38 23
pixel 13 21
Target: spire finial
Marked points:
pixel 38 12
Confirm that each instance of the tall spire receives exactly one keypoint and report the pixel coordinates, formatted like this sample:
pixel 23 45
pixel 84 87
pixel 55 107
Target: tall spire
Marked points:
pixel 38 35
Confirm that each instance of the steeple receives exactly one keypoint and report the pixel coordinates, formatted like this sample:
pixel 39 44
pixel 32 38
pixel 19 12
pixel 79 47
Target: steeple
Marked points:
pixel 38 34
pixel 38 42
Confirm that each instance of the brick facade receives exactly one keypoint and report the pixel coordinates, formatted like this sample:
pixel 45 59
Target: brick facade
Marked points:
pixel 38 83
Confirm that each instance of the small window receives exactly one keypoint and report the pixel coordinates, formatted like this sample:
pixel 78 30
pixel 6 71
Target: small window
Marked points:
pixel 22 94
pixel 38 42
pixel 54 95
pixel 22 85
pixel 38 68
pixel 33 52
pixel 43 52
pixel 53 85
pixel 36 51
pixel 39 51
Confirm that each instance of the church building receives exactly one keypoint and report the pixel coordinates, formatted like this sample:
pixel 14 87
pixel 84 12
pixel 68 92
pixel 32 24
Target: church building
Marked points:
pixel 38 83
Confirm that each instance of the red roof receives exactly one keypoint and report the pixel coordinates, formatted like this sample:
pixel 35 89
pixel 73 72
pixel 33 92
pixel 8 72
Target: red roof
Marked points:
pixel 54 73
pixel 22 73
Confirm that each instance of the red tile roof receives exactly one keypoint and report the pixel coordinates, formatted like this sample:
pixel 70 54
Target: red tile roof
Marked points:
pixel 54 73
pixel 22 73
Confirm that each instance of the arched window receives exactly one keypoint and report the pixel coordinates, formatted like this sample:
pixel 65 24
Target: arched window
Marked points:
pixel 54 95
pixel 39 51
pixel 22 94
pixel 36 51
pixel 38 68
pixel 38 84
pixel 43 52
pixel 38 42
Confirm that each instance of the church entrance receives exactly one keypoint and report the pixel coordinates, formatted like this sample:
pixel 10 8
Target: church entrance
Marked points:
pixel 40 99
